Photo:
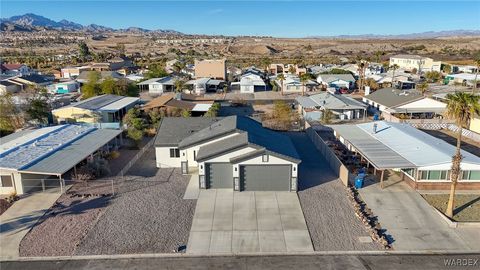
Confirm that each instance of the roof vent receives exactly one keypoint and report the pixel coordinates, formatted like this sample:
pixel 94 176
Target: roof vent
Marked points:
pixel 375 128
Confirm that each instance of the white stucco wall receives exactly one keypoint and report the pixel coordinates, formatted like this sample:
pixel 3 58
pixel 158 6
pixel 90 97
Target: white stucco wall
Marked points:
pixel 188 155
pixel 163 159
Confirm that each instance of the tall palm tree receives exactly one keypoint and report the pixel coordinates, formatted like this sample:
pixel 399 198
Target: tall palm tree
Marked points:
pixel 179 84
pixel 304 79
pixel 281 78
pixel 477 64
pixel 461 107
pixel 394 67
pixel 422 87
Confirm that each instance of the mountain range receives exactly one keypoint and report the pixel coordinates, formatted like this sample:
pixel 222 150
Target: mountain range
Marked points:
pixel 31 22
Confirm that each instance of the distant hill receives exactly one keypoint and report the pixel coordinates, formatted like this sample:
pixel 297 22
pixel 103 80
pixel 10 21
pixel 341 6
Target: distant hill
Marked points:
pixel 429 34
pixel 31 22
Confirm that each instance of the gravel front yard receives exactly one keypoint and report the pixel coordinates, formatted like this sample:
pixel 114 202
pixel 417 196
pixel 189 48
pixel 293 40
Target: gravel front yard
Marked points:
pixel 330 217
pixel 63 226
pixel 147 215
pixel 467 206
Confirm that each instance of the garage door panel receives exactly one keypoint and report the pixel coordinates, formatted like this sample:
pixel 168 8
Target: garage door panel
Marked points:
pixel 219 175
pixel 265 177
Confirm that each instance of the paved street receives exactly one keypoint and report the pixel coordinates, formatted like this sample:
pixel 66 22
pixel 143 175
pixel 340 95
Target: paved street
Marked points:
pixel 277 262
pixel 413 223
pixel 20 217
pixel 246 222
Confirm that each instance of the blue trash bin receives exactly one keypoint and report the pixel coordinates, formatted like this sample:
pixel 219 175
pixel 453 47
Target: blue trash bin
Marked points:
pixel 358 183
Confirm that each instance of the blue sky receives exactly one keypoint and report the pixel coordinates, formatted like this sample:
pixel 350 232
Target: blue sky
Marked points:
pixel 272 18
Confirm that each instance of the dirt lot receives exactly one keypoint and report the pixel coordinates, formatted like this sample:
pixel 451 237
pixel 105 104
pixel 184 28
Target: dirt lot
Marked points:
pixel 467 206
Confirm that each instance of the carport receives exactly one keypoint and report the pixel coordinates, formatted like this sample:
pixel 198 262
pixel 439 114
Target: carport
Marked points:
pixel 375 153
pixel 40 161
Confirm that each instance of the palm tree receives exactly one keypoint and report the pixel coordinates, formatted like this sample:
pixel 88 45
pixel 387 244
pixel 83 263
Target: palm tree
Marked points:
pixel 281 78
pixel 461 107
pixel 326 117
pixel 423 87
pixel 266 62
pixel 477 64
pixel 394 67
pixel 304 79
pixel 179 84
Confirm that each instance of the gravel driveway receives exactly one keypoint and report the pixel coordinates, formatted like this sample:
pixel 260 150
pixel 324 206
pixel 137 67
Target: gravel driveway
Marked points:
pixel 329 215
pixel 147 215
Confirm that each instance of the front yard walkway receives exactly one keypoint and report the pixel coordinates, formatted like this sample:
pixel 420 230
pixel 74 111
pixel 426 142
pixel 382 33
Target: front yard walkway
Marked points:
pixel 20 218
pixel 413 223
pixel 248 222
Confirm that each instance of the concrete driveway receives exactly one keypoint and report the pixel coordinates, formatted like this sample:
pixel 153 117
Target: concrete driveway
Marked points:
pixel 248 222
pixel 412 222
pixel 17 221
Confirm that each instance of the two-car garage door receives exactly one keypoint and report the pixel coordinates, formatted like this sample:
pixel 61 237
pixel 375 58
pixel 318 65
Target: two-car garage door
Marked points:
pixel 252 177
pixel 265 177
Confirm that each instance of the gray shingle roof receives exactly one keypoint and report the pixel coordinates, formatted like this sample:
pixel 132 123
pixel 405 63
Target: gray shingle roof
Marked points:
pixel 173 130
pixel 257 135
pixel 391 98
pixel 222 146
pixel 333 77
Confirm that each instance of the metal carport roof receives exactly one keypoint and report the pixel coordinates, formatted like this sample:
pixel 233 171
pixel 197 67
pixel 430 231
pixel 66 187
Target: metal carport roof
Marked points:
pixel 379 155
pixel 66 158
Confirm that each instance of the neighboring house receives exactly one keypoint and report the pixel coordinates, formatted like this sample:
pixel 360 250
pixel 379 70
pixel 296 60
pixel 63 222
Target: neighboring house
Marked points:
pixel 234 152
pixel 64 87
pixel 411 62
pixel 12 87
pixel 276 69
pixel 39 159
pixel 475 124
pixel 106 111
pixel 14 69
pixel 343 107
pixel 336 80
pixel 393 102
pixel 213 69
pixel 173 103
pixel 73 72
pixel 84 75
pixel 135 77
pixel 35 80
pixel 292 84
pixel 423 161
pixel 158 86
pixel 464 69
pixel 204 85
pixel 249 83
pixel 462 78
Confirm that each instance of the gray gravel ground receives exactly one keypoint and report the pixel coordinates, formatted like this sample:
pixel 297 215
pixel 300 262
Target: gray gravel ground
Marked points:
pixel 147 214
pixel 329 215
pixel 63 226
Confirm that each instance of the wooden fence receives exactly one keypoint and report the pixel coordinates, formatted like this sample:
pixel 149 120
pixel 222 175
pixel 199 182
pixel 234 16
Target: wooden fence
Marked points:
pixel 333 161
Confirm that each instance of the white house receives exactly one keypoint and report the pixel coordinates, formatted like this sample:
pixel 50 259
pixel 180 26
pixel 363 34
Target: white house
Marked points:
pixel 423 161
pixel 337 80
pixel 158 86
pixel 234 152
pixel 343 107
pixel 420 63
pixel 249 83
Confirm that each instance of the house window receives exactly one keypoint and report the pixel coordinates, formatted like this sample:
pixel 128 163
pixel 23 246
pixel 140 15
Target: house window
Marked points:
pixel 471 175
pixel 6 181
pixel 174 152
pixel 265 158
pixel 434 175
